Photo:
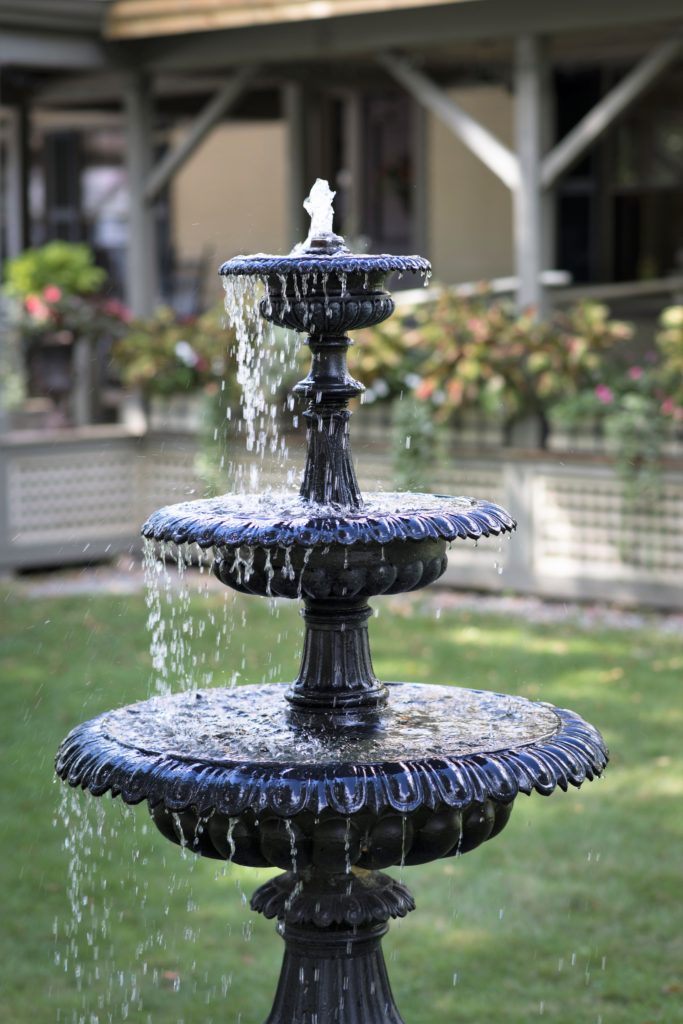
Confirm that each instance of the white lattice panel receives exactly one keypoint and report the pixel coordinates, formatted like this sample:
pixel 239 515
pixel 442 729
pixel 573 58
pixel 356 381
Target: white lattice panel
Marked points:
pixel 585 527
pixel 168 476
pixel 61 498
pixel 476 481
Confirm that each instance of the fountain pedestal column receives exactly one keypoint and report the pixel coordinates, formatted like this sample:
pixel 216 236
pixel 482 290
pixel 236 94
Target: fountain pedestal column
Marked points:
pixel 333 970
pixel 336 675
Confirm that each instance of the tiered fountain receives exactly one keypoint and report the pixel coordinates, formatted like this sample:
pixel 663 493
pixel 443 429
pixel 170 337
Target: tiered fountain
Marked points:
pixel 336 775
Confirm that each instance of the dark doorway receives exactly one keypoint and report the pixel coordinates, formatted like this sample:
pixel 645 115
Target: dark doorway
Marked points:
pixel 389 173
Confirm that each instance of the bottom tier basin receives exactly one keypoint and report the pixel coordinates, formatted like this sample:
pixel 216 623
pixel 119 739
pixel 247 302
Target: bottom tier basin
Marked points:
pixel 230 774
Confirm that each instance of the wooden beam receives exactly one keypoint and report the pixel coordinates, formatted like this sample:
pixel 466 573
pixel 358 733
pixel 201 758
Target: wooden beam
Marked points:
pixel 50 50
pixel 421 157
pixel 353 164
pixel 528 210
pixel 140 19
pixel 16 213
pixel 106 87
pixel 80 90
pixel 142 272
pixel 573 146
pixel 323 40
pixel 209 115
pixel 294 106
pixel 478 139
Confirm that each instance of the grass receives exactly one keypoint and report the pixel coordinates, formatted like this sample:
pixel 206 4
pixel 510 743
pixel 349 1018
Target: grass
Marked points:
pixel 572 916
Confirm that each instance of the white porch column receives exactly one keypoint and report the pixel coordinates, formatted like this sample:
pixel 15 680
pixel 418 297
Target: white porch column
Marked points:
pixel 142 272
pixel 528 198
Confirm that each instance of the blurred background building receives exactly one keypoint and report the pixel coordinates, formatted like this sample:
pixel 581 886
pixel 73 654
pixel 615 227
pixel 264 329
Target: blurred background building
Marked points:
pixel 501 138
pixel 533 144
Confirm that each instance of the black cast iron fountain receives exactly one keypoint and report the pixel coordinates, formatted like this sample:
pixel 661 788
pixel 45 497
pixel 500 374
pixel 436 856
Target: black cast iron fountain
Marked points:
pixel 337 775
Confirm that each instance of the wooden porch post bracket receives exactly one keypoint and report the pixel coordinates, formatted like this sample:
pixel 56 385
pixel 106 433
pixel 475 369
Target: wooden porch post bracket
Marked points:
pixel 501 160
pixel 575 143
pixel 478 139
pixel 171 162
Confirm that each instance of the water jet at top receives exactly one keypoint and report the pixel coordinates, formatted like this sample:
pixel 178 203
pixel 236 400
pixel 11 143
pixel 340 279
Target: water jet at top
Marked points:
pixel 336 775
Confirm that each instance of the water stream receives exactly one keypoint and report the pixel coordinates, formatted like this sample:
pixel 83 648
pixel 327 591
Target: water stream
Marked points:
pixel 199 634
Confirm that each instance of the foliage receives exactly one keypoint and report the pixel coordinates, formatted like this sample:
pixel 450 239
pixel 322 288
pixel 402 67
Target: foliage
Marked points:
pixel 475 354
pixel 52 303
pixel 67 266
pixel 414 438
pixel 630 406
pixel 61 318
pixel 670 343
pixel 574 351
pixel 167 354
pixel 12 383
pixel 388 358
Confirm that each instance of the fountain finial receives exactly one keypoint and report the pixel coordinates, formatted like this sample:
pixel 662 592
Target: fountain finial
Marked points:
pixel 318 205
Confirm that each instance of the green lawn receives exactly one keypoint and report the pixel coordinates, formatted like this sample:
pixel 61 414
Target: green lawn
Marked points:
pixel 573 915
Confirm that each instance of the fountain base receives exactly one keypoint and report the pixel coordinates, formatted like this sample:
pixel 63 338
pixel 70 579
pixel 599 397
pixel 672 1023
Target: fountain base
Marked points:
pixel 333 970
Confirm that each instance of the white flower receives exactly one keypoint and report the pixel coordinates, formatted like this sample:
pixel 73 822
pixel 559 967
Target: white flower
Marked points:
pixel 186 354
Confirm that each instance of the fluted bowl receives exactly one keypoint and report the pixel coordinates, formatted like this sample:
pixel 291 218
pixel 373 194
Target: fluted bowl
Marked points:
pixel 229 773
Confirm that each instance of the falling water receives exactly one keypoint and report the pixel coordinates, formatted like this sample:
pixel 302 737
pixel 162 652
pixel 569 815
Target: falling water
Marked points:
pixel 193 624
pixel 108 889
pixel 265 356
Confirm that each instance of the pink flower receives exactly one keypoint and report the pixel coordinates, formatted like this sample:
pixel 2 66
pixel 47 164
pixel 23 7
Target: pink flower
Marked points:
pixel 668 406
pixel 635 372
pixel 477 326
pixel 424 390
pixel 52 293
pixel 36 308
pixel 604 394
pixel 112 307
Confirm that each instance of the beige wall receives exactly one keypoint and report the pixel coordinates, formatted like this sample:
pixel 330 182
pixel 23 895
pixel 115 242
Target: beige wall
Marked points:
pixel 231 196
pixel 470 210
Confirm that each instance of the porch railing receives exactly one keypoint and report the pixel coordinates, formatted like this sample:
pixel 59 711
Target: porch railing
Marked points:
pixel 80 496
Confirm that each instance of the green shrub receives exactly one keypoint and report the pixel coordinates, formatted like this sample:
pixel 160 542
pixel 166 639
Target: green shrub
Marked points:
pixel 68 266
pixel 414 441
pixel 167 354
pixel 463 354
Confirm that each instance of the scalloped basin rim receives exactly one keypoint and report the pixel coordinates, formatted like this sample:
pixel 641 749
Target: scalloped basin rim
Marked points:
pixel 562 749
pixel 263 264
pixel 283 519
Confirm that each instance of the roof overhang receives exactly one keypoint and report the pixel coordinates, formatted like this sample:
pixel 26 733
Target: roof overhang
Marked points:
pixel 50 34
pixel 487 23
pixel 144 19
pixel 51 50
